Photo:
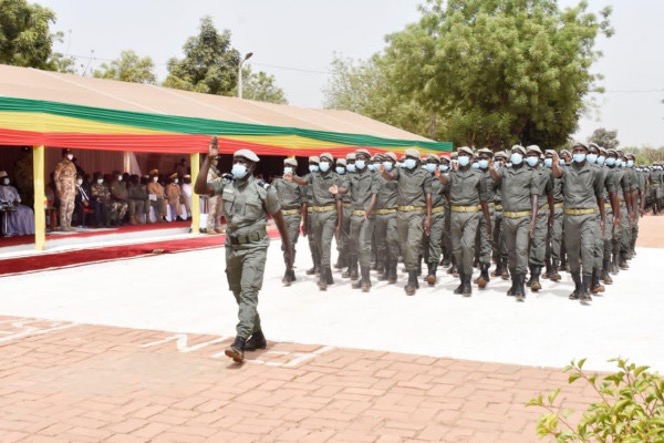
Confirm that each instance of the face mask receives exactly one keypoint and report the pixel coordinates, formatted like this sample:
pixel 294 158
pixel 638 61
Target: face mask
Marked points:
pixel 548 162
pixel 601 159
pixel 444 168
pixel 288 170
pixel 350 167
pixel 313 168
pixel 324 166
pixel 119 178
pixel 610 161
pixel 70 157
pixel 387 166
pixel 239 171
pixel 561 162
pixel 630 163
pixel 175 181
pixel 463 160
pixel 496 165
pixel 340 170
pixel 100 181
pixel 5 181
pixel 430 167
pixel 578 157
pixel 79 181
pixel 154 179
pixel 372 167
pixel 516 158
pixel 410 163
pixel 619 162
pixel 475 166
pixel 360 164
pixel 592 158
pixel 483 164
pixel 532 161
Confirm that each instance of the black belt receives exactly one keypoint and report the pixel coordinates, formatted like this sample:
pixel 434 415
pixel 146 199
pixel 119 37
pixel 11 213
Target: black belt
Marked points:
pixel 243 240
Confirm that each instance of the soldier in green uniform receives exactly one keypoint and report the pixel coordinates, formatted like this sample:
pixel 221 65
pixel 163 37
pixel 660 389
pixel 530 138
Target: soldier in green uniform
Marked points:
pixel 583 192
pixel 101 200
pixel 139 204
pixel 433 243
pixel 499 246
pixel 656 187
pixel 485 156
pixel 363 188
pixel 632 231
pixel 306 221
pixel 545 213
pixel 555 231
pixel 326 215
pixel 290 199
pixel 385 231
pixel 519 189
pixel 343 239
pixel 413 211
pixel 246 203
pixel 624 188
pixel 640 203
pixel 466 199
pixel 119 199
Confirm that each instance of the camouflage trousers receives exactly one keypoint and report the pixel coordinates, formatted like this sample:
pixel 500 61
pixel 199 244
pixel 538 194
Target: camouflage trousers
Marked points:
pixel 118 210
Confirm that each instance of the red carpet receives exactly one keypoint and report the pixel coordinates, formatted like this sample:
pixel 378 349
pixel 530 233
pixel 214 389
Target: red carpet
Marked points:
pixel 46 261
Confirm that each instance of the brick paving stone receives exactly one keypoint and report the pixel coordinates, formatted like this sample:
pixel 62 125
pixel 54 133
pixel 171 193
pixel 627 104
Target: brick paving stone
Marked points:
pixel 93 383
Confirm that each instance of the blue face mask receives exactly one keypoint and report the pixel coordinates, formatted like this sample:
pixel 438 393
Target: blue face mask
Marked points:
pixel 532 161
pixel 561 161
pixel 484 164
pixel 288 170
pixel 475 165
pixel 630 163
pixel 619 162
pixel 610 161
pixel 463 160
pixel 548 162
pixel 340 170
pixel 324 166
pixel 600 160
pixel 410 163
pixel 444 168
pixel 239 171
pixel 516 158
pixel 579 157
pixel 592 158
pixel 360 164
pixel 372 167
pixel 430 167
pixel 387 166
pixel 313 168
pixel 350 167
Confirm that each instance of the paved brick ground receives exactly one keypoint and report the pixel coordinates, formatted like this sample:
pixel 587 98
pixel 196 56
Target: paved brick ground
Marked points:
pixel 63 382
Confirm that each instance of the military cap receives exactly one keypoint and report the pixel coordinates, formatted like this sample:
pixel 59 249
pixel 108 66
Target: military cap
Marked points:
pixel 444 158
pixel 314 159
pixel 350 156
pixel 326 155
pixel 186 176
pixel 519 148
pixel 501 154
pixel 154 172
pixel 593 145
pixel 534 148
pixel 362 151
pixel 391 155
pixel 412 152
pixel 66 151
pixel 248 154
pixel 612 152
pixel 579 145
pixel 341 161
pixel 454 156
pixel 291 161
pixel 486 151
pixel 630 156
pixel 173 175
pixel 3 174
pixel 378 157
pixel 550 152
pixel 602 150
pixel 565 152
pixel 465 150
pixel 432 157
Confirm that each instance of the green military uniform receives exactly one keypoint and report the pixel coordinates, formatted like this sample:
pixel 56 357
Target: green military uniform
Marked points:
pixel 139 203
pixel 245 205
pixel 313 249
pixel 485 242
pixel 642 186
pixel 385 231
pixel 631 230
pixel 101 200
pixel 434 242
pixel 623 186
pixel 65 182
pixel 656 188
pixel 538 242
pixel 347 254
pixel 518 184
pixel 119 201
pixel 555 232
pixel 290 198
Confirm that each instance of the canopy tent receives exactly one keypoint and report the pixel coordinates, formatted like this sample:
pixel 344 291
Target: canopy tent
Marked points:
pixel 63 110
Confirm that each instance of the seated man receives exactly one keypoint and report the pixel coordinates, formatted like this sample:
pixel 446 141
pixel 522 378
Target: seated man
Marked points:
pixel 101 201
pixel 18 218
pixel 138 201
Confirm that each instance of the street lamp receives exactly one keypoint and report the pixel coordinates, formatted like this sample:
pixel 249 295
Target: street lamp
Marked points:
pixel 239 73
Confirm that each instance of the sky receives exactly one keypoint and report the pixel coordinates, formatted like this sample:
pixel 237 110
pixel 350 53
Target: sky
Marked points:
pixel 295 40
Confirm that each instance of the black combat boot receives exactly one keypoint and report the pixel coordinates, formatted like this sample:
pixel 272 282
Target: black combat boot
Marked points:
pixel 292 275
pixel 585 295
pixel 316 261
pixel 499 267
pixel 615 269
pixel 365 282
pixel 555 276
pixel 506 272
pixel 419 265
pixel 236 350
pixel 411 286
pixel 467 289
pixel 513 289
pixel 431 276
pixel 322 281
pixel 392 272
pixel 353 268
pixel 576 295
pixel 547 270
pixel 459 289
pixel 605 276
pixel 534 278
pixel 256 341
pixel 286 281
pixel 328 275
pixel 595 285
pixel 340 262
pixel 622 263
pixel 520 292
pixel 483 279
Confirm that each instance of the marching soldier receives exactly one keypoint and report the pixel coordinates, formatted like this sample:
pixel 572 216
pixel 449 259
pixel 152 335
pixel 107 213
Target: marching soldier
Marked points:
pixel 65 184
pixel 246 203
pixel 344 235
pixel 307 219
pixel 290 198
pixel 485 239
pixel 433 243
pixel 500 248
pixel 387 237
pixel 214 205
pixel 555 231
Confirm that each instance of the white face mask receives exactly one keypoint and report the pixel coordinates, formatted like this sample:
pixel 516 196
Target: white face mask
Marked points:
pixel 154 179
pixel 5 181
pixel 288 170
pixel 70 157
pixel 100 181
pixel 175 181
pixel 119 178
pixel 79 181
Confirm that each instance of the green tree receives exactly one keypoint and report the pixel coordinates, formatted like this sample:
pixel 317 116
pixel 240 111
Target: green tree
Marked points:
pixel 128 68
pixel 26 39
pixel 500 71
pixel 603 137
pixel 209 65
pixel 261 86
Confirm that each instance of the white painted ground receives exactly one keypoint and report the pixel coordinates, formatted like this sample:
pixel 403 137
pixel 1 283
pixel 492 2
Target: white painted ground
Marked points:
pixel 187 292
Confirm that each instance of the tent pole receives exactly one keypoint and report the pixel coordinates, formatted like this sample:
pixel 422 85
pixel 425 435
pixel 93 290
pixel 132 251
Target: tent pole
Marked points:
pixel 40 196
pixel 194 161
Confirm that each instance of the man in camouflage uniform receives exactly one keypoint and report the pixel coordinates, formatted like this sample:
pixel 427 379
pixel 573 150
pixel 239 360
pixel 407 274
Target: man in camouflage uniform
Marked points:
pixel 246 204
pixel 24 181
pixel 65 184
pixel 138 200
pixel 119 199
pixel 387 237
pixel 101 201
pixel 290 198
pixel 157 196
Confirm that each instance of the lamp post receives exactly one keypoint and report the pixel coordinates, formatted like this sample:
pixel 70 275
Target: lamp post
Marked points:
pixel 239 73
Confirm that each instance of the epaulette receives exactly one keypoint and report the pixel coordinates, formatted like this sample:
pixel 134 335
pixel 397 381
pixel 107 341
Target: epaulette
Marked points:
pixel 263 184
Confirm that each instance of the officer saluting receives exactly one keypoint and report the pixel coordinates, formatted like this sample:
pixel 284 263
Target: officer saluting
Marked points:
pixel 245 205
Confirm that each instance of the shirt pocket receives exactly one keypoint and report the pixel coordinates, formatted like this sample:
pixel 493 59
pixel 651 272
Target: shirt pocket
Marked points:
pixel 228 199
pixel 253 208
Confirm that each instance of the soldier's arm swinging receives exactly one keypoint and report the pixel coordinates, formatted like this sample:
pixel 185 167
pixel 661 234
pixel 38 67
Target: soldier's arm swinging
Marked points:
pixel 285 240
pixel 555 167
pixel 201 186
pixel 487 216
pixel 372 205
pixel 427 219
pixel 340 218
pixel 602 213
pixel 615 207
pixel 534 204
pixel 552 211
pixel 386 175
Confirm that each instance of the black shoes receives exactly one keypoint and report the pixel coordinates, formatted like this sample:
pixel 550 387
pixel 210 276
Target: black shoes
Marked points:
pixel 236 350
pixel 256 341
